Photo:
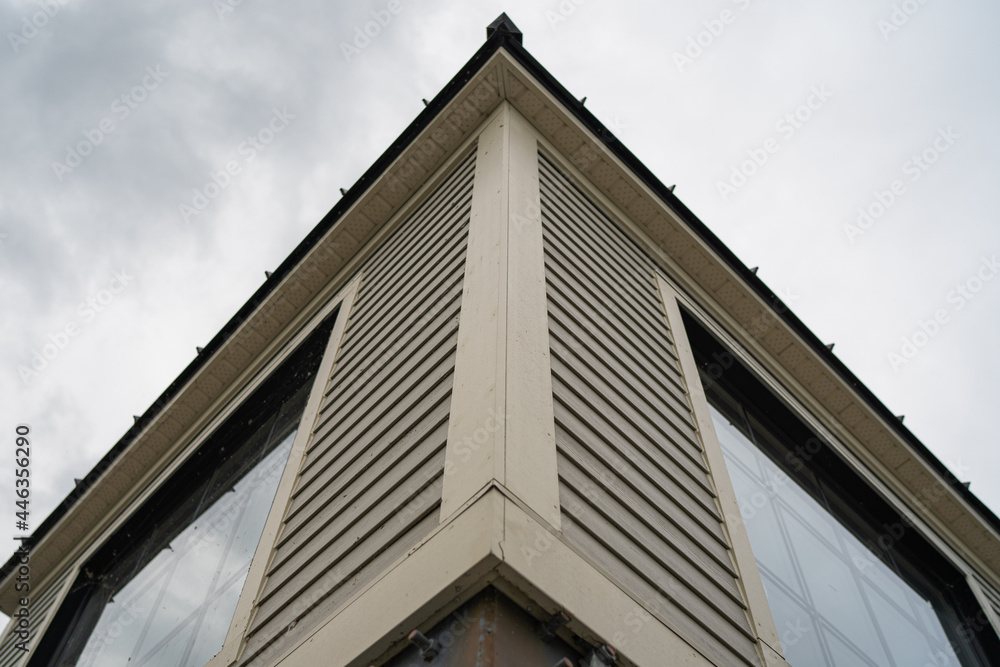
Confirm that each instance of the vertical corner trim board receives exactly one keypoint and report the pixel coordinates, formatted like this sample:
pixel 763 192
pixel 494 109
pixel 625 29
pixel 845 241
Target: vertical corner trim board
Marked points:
pixel 637 496
pixel 502 427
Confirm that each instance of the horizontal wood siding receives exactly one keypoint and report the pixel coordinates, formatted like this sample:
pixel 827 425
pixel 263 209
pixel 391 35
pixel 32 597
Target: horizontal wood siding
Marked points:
pixel 635 491
pixel 41 607
pixel 370 487
pixel 992 595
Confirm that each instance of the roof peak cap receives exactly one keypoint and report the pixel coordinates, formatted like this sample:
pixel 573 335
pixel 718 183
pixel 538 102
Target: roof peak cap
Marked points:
pixel 504 24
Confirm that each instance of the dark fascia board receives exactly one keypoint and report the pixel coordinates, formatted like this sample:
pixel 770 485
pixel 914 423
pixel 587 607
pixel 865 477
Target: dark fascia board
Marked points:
pixel 501 38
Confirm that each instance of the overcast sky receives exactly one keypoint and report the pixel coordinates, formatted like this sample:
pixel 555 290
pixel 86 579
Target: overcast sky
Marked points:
pixel 114 113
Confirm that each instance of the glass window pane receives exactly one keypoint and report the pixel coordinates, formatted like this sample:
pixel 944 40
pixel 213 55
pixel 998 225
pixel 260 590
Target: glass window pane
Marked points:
pixel 774 553
pixel 845 654
pixel 735 444
pixel 832 598
pixel 172 605
pixel 168 651
pixel 162 589
pixel 798 633
pixel 906 642
pixel 215 622
pixel 877 574
pixel 834 590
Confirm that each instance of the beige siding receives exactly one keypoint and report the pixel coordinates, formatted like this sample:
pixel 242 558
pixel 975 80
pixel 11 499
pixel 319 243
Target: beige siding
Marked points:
pixel 371 485
pixel 42 607
pixel 992 596
pixel 636 495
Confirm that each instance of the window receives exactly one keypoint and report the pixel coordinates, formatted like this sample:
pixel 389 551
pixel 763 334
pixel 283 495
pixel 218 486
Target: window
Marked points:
pixel 849 582
pixel 164 588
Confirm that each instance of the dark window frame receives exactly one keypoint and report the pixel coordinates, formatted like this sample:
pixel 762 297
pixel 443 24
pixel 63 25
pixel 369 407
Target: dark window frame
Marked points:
pixel 295 374
pixel 842 490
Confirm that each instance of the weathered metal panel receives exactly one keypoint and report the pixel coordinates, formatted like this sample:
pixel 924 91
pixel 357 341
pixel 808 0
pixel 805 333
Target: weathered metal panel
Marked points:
pixel 637 498
pixel 370 487
pixel 488 631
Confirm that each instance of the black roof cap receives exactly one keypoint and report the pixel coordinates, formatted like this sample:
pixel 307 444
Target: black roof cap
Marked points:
pixel 504 24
